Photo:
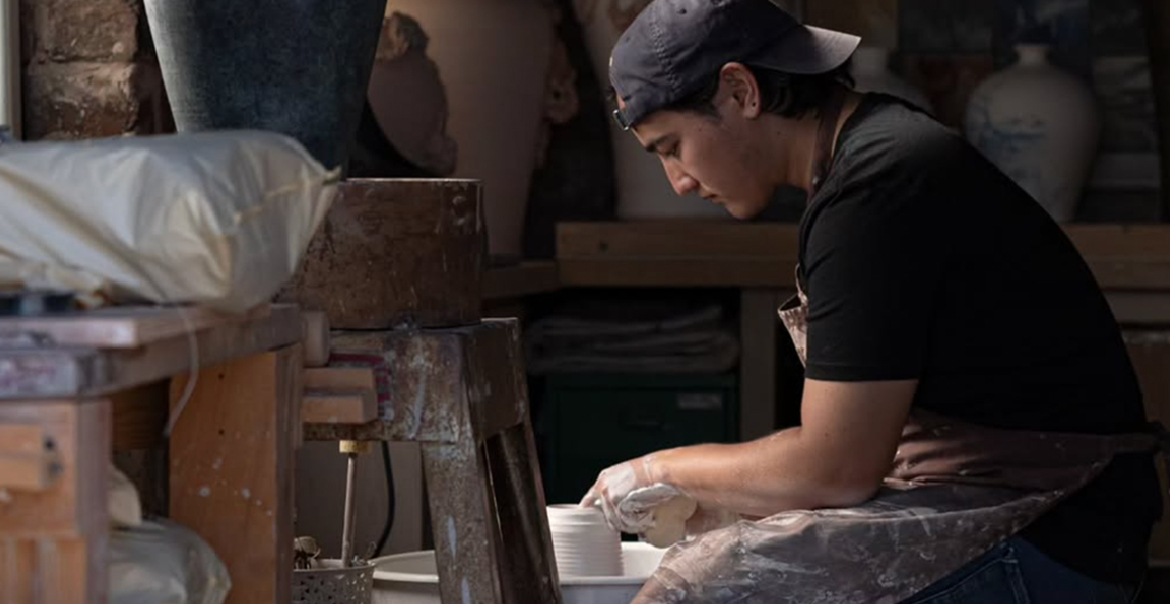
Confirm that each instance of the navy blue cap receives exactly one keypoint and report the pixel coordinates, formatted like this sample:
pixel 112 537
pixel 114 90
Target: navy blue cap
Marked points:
pixel 675 46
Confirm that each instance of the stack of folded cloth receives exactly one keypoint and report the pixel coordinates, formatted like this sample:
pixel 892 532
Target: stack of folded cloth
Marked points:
pixel 639 337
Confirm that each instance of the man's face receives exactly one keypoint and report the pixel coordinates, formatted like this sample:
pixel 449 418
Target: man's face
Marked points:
pixel 714 156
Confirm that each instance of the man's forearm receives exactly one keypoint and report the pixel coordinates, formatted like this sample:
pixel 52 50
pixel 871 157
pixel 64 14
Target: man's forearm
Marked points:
pixel 784 471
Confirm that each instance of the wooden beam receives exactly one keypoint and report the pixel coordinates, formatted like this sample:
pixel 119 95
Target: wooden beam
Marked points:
pixel 340 407
pixel 124 326
pixel 76 371
pixel 524 279
pixel 721 254
pixel 232 455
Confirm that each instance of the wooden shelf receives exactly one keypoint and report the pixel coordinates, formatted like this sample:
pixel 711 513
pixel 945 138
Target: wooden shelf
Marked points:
pixel 721 254
pixel 523 279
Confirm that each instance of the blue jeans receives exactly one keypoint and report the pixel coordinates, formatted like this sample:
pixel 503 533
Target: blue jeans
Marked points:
pixel 1015 572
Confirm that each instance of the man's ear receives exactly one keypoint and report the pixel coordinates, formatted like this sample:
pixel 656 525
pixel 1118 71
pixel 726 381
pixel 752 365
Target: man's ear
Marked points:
pixel 738 83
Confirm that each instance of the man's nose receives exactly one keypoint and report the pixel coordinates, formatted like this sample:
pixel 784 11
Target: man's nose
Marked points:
pixel 682 182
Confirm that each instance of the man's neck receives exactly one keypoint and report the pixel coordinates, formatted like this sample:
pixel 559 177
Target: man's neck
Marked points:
pixel 800 137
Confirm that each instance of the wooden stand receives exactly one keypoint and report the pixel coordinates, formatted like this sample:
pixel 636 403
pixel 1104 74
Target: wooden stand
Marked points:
pixel 461 393
pixel 231 451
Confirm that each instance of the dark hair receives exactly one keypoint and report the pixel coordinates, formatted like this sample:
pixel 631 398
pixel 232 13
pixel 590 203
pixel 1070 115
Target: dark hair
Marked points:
pixel 788 95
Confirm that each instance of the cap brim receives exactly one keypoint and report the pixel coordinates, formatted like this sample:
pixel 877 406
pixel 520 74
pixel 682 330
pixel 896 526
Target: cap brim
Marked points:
pixel 808 50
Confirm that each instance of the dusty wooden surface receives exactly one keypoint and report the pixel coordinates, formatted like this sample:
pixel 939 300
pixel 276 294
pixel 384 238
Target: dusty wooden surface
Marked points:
pixel 69 369
pixel 430 381
pixel 462 393
pixel 231 460
pixel 396 253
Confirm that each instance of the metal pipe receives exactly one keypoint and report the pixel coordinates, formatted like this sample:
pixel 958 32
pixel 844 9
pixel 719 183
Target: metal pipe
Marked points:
pixel 350 511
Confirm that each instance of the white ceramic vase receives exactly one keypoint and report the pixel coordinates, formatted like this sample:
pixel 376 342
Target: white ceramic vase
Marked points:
pixel 493 58
pixel 643 191
pixel 1040 126
pixel 870 69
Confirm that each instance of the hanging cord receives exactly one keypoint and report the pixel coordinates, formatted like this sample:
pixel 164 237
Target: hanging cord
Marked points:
pixel 192 374
pixel 390 497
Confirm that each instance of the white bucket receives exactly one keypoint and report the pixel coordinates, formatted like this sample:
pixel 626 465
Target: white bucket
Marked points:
pixel 413 579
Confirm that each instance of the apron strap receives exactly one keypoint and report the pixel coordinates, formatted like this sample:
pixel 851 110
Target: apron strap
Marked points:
pixel 823 152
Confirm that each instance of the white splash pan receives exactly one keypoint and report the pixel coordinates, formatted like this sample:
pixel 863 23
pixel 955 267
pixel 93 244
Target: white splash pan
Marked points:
pixel 413 579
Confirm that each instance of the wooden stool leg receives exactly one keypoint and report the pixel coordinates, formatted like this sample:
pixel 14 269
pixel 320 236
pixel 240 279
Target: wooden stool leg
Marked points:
pixel 462 521
pixel 232 455
pixel 529 569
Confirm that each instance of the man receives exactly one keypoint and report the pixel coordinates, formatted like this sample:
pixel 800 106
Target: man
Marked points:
pixel 934 287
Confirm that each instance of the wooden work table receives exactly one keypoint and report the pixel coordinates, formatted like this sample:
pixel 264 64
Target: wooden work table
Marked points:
pixel 67 381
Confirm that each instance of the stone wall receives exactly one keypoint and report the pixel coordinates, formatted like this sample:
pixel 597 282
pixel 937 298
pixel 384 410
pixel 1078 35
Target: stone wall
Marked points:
pixel 89 70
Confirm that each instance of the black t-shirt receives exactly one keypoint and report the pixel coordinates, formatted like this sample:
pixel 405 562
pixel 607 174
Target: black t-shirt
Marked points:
pixel 923 261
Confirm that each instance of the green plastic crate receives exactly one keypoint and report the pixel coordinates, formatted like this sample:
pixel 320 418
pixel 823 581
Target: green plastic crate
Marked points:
pixel 590 422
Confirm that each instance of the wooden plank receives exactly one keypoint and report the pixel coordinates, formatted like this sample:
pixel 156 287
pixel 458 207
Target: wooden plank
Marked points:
pixel 687 239
pixel 51 571
pixel 1140 308
pixel 54 543
pixel 524 279
pixel 140 414
pixel 26 472
pixel 720 254
pixel 232 468
pixel 463 523
pixel 339 407
pixel 124 326
pixel 75 504
pixel 331 378
pixel 316 338
pixel 677 272
pixel 528 568
pixel 78 371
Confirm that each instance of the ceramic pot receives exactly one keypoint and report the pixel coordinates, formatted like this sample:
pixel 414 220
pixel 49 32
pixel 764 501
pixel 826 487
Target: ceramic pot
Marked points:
pixel 1040 125
pixel 298 67
pixel 643 191
pixel 492 57
pixel 870 69
pixel 583 544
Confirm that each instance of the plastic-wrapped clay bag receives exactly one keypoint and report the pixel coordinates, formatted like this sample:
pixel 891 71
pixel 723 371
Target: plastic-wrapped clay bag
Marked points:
pixel 217 218
pixel 160 562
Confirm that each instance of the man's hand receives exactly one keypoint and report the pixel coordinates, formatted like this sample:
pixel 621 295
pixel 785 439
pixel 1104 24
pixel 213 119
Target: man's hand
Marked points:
pixel 627 493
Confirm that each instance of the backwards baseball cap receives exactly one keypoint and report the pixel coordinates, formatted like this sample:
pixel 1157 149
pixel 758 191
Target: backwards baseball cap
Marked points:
pixel 674 47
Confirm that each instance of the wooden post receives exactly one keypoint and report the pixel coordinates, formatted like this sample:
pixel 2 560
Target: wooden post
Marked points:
pixel 54 541
pixel 232 455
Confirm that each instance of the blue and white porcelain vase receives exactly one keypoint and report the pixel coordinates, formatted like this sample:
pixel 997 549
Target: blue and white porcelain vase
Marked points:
pixel 1041 126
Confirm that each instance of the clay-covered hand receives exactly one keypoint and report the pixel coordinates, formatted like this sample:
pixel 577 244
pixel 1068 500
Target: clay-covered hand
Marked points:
pixel 628 493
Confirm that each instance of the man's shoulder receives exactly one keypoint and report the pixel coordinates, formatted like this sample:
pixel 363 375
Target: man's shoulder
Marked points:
pixel 893 134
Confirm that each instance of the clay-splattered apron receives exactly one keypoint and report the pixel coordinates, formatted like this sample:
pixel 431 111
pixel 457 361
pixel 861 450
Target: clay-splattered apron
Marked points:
pixel 954 492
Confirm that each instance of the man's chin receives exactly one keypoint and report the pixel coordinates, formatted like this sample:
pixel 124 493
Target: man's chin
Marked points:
pixel 741 211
